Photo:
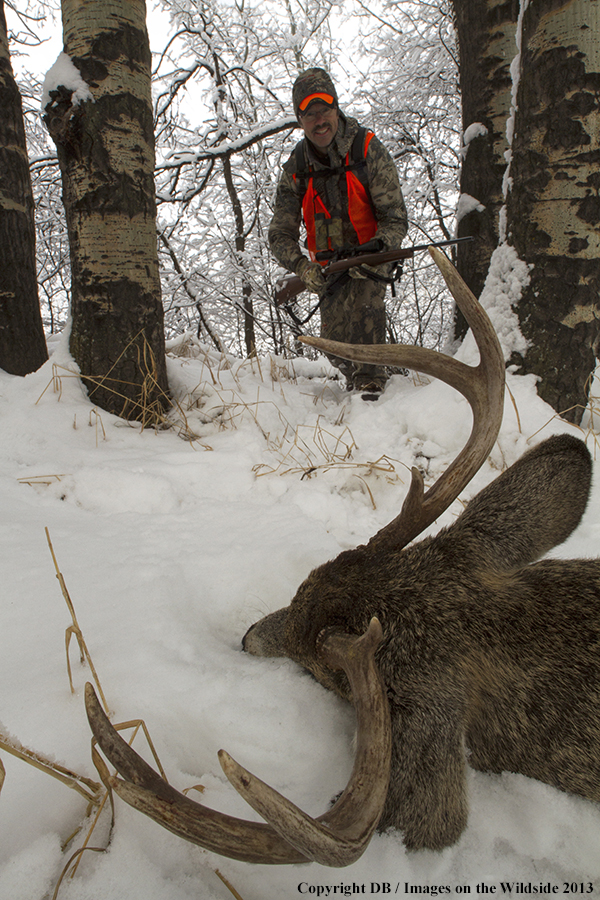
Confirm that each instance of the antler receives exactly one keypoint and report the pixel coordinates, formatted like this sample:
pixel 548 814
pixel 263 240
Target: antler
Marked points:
pixel 337 838
pixel 482 385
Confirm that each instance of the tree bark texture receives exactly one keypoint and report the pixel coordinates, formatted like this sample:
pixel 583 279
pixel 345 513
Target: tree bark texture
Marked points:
pixel 22 341
pixel 553 209
pixel 486 32
pixel 106 154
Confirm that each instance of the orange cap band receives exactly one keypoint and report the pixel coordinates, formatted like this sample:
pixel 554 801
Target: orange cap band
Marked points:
pixel 326 98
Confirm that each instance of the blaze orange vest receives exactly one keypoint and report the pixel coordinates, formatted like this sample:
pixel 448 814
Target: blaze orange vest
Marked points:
pixel 360 206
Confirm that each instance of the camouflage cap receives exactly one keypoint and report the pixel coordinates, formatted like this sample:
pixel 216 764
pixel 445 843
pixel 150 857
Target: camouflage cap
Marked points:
pixel 314 84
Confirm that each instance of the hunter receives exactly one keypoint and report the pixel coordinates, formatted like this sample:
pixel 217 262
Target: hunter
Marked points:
pixel 343 183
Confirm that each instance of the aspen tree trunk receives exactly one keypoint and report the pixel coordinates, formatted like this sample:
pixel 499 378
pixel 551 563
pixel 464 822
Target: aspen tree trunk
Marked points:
pixel 486 32
pixel 22 341
pixel 106 154
pixel 554 203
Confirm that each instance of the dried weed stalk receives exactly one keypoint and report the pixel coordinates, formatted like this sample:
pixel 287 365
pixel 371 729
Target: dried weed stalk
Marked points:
pixel 90 790
pixel 45 480
pixel 56 380
pixel 150 410
pixel 75 630
pixel 303 450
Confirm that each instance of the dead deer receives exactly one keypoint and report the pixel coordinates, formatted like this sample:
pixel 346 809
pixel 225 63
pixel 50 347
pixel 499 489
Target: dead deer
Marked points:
pixel 460 649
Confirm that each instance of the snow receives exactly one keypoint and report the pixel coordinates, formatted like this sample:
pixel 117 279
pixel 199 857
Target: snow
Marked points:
pixel 507 277
pixel 171 544
pixel 63 73
pixel 466 204
pixel 176 158
pixel 515 73
pixel 475 129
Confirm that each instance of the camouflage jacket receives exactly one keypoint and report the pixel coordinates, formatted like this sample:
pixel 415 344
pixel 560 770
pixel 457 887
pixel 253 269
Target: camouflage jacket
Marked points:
pixel 384 185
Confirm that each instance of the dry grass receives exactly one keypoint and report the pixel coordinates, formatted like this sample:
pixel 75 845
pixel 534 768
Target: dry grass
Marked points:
pixel 144 402
pixel 173 417
pixel 90 790
pixel 44 480
pixel 301 450
pixel 220 400
pixel 75 631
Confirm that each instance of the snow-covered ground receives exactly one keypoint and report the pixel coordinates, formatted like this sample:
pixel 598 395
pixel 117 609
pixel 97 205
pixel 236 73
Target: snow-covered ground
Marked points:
pixel 171 544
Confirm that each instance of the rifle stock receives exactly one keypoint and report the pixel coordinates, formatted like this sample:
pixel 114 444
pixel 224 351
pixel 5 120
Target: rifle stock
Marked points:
pixel 291 285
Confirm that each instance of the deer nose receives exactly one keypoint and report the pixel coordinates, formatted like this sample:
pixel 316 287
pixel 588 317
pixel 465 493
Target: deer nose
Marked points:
pixel 244 645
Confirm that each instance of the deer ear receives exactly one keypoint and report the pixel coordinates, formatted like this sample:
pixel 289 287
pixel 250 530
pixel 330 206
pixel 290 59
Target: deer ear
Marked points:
pixel 532 507
pixel 266 637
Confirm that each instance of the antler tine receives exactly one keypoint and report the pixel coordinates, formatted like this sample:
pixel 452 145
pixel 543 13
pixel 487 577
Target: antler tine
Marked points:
pixel 337 838
pixel 481 385
pixel 340 836
pixel 144 789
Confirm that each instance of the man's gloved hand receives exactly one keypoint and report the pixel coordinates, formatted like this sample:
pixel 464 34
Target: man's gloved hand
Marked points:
pixel 375 245
pixel 361 271
pixel 311 274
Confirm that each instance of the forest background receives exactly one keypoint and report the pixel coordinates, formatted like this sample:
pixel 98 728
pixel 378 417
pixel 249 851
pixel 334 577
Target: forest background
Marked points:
pixel 222 76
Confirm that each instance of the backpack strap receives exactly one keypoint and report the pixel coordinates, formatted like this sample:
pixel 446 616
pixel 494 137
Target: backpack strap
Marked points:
pixel 303 172
pixel 358 158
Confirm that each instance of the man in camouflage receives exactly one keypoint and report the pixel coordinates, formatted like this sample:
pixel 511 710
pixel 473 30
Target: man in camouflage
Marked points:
pixel 352 309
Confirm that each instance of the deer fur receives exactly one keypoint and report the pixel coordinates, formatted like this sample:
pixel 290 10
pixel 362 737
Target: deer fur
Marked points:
pixel 489 658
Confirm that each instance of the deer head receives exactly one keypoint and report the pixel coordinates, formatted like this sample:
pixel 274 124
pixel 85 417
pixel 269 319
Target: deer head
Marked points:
pixel 454 642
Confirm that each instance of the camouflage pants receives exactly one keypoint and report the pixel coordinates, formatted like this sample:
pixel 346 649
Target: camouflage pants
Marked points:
pixel 355 314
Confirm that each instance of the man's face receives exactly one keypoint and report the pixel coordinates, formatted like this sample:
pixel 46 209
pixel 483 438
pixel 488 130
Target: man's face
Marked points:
pixel 319 123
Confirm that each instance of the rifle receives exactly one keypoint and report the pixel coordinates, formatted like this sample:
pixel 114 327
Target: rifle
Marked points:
pixel 291 285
